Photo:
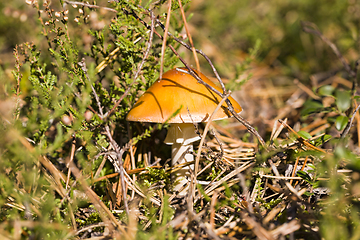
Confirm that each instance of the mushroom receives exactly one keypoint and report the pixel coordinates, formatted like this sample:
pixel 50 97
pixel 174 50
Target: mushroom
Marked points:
pixel 178 91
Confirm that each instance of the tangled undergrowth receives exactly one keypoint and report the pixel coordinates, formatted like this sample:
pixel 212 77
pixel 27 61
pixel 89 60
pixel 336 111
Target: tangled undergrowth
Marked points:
pixel 74 168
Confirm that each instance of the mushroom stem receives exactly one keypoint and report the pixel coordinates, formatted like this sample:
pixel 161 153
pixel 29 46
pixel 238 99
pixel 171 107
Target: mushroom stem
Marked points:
pixel 181 136
pixel 182 154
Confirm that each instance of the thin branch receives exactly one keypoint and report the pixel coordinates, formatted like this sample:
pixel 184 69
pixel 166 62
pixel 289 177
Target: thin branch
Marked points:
pixel 18 75
pixel 119 152
pixel 189 35
pixel 72 154
pixel 355 79
pixel 164 39
pixel 146 54
pixel 196 169
pixel 18 69
pixel 295 168
pixel 90 5
pixel 221 154
pixel 310 27
pixel 349 124
pixel 250 128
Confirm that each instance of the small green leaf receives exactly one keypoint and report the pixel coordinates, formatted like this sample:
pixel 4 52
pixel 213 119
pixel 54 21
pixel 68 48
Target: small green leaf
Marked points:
pixel 316 184
pixel 304 134
pixel 323 139
pixel 311 165
pixel 308 194
pixel 343 100
pixel 311 106
pixel 304 175
pixel 341 122
pixel 326 90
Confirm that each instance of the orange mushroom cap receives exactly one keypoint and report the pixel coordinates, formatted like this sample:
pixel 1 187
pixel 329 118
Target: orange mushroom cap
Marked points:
pixel 177 89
